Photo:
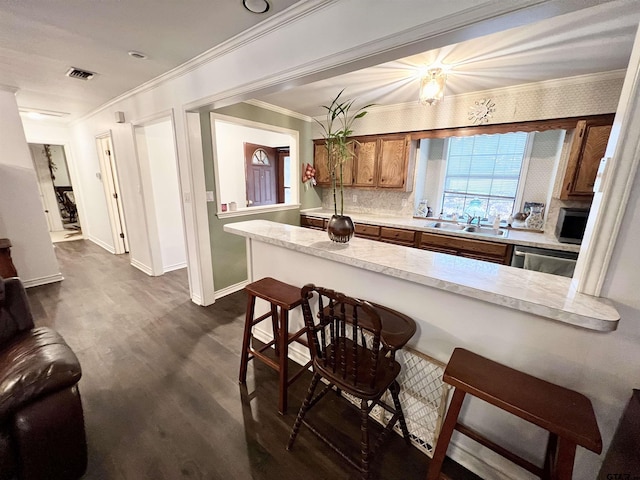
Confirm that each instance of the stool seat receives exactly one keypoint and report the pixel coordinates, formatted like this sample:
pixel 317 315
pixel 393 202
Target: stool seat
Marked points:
pixel 567 415
pixel 283 297
pixel 275 292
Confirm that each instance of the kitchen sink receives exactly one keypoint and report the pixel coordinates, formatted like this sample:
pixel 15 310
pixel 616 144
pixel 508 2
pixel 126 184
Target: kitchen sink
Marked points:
pixel 496 232
pixel 493 232
pixel 446 226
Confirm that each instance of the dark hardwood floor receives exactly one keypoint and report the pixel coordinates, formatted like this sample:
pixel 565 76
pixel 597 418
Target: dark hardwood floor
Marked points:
pixel 160 390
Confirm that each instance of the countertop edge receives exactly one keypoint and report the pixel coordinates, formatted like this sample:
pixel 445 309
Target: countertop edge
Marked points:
pixel 598 323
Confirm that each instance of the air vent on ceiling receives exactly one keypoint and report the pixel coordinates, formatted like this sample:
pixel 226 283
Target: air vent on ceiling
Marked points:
pixel 80 74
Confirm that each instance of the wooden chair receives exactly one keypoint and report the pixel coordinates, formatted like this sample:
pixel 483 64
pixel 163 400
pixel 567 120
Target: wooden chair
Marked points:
pixel 344 336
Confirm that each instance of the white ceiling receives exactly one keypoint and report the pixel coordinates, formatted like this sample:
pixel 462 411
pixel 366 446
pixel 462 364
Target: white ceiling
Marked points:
pixel 593 40
pixel 40 40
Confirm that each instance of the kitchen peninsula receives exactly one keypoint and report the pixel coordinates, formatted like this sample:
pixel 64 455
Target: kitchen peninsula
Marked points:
pixel 531 321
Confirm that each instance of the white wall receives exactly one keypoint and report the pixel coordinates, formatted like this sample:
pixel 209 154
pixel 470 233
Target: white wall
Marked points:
pixel 160 155
pixel 32 250
pixel 230 139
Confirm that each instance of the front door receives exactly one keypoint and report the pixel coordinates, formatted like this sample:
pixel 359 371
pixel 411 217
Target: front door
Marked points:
pixel 261 162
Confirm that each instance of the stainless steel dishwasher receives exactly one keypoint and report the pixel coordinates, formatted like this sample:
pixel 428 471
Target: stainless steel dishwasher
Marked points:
pixel 557 262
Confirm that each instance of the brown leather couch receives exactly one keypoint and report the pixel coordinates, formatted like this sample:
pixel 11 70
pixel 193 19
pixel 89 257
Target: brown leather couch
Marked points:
pixel 41 421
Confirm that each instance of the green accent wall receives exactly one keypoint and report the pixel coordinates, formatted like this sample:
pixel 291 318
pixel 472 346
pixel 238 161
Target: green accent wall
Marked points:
pixel 228 252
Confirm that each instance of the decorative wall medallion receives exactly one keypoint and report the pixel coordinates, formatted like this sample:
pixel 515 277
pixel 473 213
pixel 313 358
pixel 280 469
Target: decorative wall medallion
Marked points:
pixel 481 111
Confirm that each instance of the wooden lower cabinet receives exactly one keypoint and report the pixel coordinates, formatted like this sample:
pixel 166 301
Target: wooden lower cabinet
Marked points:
pixel 467 247
pixel 487 251
pixel 398 236
pixel 371 232
pixel 313 222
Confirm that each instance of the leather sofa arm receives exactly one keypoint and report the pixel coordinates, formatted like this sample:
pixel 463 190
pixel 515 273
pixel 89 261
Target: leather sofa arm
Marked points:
pixel 33 364
pixel 15 313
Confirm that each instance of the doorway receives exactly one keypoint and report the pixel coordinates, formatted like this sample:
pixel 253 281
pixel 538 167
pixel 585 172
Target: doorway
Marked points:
pixel 158 167
pixel 111 185
pixel 56 191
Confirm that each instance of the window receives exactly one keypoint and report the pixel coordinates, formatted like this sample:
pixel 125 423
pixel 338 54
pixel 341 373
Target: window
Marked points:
pixel 483 167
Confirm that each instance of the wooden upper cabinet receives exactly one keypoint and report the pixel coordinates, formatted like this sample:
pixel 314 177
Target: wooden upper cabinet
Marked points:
pixel 587 149
pixel 393 161
pixel 321 164
pixel 379 161
pixel 366 167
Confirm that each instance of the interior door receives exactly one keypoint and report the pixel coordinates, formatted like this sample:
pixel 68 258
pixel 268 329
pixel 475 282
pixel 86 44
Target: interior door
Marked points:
pixel 112 191
pixel 262 173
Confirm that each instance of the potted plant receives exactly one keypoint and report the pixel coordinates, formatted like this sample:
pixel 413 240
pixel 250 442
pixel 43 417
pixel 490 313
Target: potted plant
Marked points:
pixel 336 132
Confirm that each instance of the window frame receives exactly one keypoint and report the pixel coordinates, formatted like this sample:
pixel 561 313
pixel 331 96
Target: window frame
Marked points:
pixel 524 168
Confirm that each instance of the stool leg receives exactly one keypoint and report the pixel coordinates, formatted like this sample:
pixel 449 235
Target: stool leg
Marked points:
pixel 246 338
pixel 276 330
pixel 284 359
pixel 435 466
pixel 564 460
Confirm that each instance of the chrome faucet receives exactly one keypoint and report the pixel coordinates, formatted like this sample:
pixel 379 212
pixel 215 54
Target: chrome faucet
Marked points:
pixel 472 218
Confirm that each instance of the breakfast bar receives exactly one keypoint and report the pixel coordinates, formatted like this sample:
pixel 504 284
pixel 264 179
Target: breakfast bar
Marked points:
pixel 531 321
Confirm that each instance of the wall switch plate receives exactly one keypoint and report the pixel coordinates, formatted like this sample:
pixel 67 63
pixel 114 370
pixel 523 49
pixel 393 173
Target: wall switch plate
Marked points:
pixel 209 196
pixel 404 202
pixel 354 198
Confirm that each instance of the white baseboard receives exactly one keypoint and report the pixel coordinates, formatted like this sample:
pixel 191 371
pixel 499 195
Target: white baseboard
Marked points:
pixel 142 267
pixel 230 289
pixel 477 465
pixel 102 244
pixel 197 299
pixel 177 266
pixel 35 282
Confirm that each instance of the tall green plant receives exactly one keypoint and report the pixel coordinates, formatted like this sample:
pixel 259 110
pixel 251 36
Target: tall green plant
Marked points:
pixel 337 129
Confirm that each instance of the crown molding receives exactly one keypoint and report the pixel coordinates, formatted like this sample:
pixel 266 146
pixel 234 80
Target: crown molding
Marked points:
pixel 281 110
pixel 8 88
pixel 291 14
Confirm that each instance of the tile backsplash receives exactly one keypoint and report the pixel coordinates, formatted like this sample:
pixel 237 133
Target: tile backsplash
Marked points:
pixel 377 201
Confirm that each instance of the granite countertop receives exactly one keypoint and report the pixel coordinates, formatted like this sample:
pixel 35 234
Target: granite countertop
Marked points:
pixel 549 296
pixel 513 236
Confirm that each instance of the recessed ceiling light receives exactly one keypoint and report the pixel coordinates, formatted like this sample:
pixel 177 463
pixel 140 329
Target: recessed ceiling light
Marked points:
pixel 138 55
pixel 256 6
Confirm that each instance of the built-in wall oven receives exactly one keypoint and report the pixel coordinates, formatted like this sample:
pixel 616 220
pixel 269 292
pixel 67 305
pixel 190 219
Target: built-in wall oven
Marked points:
pixel 557 262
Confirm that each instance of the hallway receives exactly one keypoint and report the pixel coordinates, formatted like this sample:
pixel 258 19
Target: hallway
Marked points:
pixel 160 388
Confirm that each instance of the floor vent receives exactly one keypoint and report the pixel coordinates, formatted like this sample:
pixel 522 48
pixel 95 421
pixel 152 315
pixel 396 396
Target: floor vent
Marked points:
pixel 80 74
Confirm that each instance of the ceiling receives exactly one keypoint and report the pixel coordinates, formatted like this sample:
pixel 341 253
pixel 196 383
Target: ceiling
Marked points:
pixel 593 40
pixel 41 40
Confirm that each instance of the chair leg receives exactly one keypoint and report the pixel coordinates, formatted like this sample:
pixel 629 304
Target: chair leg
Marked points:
pixel 364 438
pixel 395 391
pixel 246 339
pixel 435 466
pixel 303 410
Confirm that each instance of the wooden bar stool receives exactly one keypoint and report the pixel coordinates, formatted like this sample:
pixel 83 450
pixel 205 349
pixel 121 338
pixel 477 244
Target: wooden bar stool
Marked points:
pixel 567 415
pixel 284 297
